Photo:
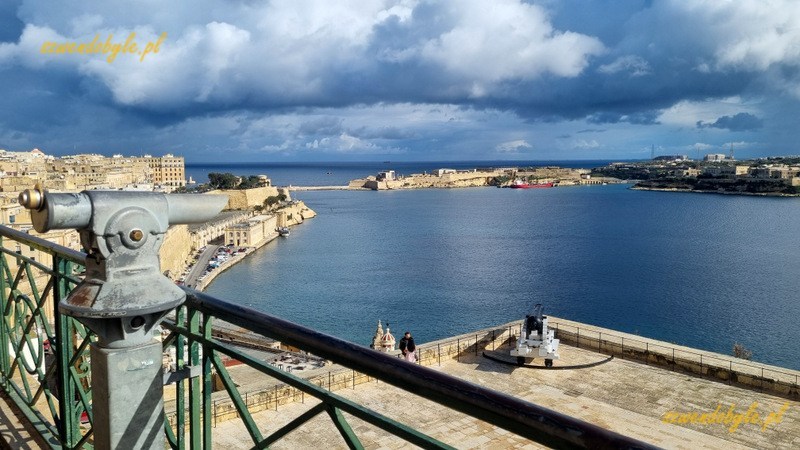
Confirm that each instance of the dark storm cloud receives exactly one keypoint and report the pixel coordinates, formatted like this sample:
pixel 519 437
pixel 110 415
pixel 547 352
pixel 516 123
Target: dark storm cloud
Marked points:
pixel 738 122
pixel 243 64
pixel 321 125
pixel 10 25
pixel 592 130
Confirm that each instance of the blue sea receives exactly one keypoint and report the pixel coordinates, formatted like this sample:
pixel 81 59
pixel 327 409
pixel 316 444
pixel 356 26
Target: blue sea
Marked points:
pixel 701 270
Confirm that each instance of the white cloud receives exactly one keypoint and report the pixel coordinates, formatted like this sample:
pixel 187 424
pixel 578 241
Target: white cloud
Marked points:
pixel 286 52
pixel 636 66
pixel 702 146
pixel 344 143
pixel 753 34
pixel 506 39
pixel 582 144
pixel 687 113
pixel 512 146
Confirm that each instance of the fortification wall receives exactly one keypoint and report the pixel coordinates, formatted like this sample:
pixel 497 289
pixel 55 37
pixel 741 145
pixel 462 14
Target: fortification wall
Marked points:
pixel 294 214
pixel 247 198
pixel 175 249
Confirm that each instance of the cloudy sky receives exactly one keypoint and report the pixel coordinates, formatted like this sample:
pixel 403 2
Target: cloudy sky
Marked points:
pixel 328 80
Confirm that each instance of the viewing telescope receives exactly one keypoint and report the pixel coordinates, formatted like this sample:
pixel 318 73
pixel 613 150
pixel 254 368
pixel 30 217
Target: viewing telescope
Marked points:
pixel 122 233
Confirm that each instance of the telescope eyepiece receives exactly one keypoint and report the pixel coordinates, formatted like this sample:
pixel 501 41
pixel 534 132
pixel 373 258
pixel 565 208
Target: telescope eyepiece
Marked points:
pixel 32 198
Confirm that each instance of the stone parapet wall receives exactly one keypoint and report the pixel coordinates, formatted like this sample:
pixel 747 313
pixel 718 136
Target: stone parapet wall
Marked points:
pixel 716 366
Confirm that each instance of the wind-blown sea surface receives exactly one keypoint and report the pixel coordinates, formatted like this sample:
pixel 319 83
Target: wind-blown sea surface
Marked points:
pixel 701 270
pixel 339 173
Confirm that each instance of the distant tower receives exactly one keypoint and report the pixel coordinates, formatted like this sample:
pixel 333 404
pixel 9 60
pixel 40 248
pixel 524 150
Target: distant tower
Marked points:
pixel 652 151
pixel 387 341
pixel 376 341
pixel 731 155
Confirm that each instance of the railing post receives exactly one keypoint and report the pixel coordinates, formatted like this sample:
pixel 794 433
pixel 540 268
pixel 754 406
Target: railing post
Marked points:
pixel 69 425
pixel 180 387
pixel 208 387
pixel 195 394
pixel 4 336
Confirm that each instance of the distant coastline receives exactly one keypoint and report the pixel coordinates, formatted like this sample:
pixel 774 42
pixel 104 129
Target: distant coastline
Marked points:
pixel 339 173
pixel 513 177
pixel 698 191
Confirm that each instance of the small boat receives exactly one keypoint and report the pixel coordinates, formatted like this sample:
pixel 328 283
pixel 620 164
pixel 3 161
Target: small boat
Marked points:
pixel 519 184
pixel 283 231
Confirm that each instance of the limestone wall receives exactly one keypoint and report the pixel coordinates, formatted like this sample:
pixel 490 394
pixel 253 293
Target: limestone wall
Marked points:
pixel 447 180
pixel 247 198
pixel 175 249
pixel 294 213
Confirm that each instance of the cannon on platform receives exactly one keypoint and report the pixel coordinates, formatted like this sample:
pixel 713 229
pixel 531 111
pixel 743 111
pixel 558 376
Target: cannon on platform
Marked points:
pixel 536 340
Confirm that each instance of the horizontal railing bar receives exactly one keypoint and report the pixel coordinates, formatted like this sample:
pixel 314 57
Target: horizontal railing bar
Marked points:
pixel 523 418
pixel 43 245
pixel 26 260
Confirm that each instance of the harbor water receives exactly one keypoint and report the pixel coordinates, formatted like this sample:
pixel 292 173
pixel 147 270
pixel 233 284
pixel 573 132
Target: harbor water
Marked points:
pixel 701 270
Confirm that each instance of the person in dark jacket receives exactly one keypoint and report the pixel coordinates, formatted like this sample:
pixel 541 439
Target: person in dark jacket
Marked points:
pixel 408 347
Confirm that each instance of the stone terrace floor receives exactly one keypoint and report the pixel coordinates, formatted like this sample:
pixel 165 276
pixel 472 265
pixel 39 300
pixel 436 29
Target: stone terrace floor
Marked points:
pixel 625 396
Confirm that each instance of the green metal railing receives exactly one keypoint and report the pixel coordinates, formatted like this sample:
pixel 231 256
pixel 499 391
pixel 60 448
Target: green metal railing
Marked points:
pixel 44 356
pixel 53 387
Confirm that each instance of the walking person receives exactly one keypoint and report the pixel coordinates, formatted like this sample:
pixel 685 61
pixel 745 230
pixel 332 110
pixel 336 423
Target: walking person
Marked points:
pixel 408 347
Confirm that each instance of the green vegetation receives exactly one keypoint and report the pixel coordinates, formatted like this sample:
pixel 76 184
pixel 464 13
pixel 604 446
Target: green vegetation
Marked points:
pixel 497 181
pixel 740 351
pixel 271 202
pixel 230 181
